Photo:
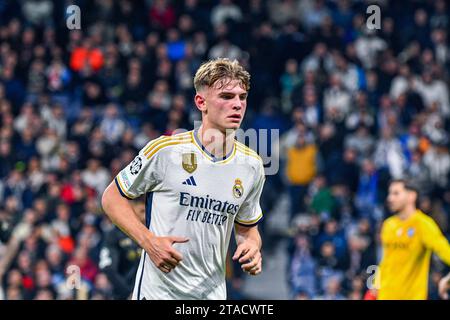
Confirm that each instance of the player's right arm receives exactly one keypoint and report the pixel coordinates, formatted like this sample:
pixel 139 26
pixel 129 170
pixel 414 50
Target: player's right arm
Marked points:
pixel 145 173
pixel 248 239
pixel 159 249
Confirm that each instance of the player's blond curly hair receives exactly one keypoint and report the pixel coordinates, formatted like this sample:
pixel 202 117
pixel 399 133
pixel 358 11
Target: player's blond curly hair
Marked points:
pixel 220 72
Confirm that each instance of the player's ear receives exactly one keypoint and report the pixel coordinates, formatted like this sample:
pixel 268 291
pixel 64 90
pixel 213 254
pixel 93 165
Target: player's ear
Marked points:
pixel 412 196
pixel 415 198
pixel 200 101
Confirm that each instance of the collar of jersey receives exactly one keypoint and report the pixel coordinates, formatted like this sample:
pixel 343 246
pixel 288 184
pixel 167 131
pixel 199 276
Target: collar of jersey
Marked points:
pixel 208 154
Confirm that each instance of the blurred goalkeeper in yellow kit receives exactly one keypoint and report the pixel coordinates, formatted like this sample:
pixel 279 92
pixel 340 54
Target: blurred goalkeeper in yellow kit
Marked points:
pixel 408 239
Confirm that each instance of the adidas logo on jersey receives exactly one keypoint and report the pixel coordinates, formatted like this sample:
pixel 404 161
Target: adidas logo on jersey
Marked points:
pixel 190 181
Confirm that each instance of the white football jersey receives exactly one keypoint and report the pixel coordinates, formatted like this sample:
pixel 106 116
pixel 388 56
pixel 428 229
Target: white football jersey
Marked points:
pixel 189 193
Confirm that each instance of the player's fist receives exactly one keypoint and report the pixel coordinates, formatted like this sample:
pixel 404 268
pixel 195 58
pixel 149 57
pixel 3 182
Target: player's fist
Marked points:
pixel 249 257
pixel 163 254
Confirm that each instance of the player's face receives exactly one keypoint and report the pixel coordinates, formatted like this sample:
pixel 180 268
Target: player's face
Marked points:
pixel 225 107
pixel 398 197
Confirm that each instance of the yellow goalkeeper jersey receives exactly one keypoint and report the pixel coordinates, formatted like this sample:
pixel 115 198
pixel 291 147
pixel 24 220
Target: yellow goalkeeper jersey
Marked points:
pixel 407 248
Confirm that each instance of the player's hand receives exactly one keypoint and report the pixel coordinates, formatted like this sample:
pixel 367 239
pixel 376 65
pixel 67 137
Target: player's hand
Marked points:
pixel 249 257
pixel 163 254
pixel 444 286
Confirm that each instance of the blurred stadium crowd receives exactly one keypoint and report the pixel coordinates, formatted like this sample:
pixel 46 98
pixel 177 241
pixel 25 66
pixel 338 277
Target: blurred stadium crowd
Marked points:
pixel 355 107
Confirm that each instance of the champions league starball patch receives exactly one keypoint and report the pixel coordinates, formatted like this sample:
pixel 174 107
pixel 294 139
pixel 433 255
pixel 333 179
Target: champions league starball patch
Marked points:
pixel 136 165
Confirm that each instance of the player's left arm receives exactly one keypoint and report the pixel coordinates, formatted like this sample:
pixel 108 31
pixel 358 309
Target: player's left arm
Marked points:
pixel 433 239
pixel 248 238
pixel 248 249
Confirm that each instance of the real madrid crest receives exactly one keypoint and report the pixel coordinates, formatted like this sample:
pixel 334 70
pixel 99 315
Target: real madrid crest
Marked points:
pixel 189 162
pixel 238 189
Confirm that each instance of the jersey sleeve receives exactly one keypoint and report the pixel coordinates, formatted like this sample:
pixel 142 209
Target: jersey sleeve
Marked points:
pixel 144 174
pixel 250 212
pixel 433 239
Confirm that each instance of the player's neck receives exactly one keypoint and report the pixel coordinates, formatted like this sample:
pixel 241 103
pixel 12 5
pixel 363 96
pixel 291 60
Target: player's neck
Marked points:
pixel 406 213
pixel 215 141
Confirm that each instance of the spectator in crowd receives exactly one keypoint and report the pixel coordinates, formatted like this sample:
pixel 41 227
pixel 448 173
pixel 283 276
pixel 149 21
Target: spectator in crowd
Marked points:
pixel 332 290
pixel 361 141
pixel 112 126
pixel 86 58
pixel 322 200
pixel 433 90
pixel 367 195
pixel 349 173
pixel 388 154
pixel 288 81
pixel 225 10
pixel 437 161
pixel 336 99
pixel 302 267
pixel 301 168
